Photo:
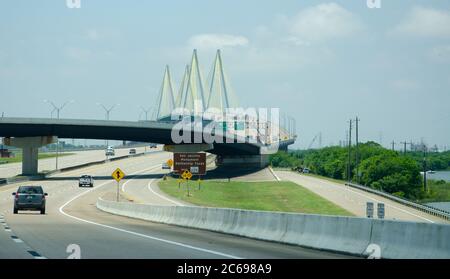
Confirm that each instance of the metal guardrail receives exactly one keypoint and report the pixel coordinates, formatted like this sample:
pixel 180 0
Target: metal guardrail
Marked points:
pixel 421 207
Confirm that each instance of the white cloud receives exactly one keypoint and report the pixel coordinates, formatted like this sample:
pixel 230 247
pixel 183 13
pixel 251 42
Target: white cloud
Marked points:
pixel 216 41
pixel 440 54
pixel 324 22
pixel 425 22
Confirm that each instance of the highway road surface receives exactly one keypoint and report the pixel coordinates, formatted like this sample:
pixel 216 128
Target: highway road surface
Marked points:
pixel 72 220
pixel 78 158
pixel 354 200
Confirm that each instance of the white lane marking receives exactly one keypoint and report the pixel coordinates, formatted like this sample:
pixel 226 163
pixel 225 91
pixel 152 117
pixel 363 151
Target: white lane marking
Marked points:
pixel 149 186
pixel 274 174
pixel 390 205
pixel 17 240
pixel 344 187
pixel 131 179
pixel 135 233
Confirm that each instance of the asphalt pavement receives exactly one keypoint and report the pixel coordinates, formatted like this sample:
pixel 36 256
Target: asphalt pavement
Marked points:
pixel 72 221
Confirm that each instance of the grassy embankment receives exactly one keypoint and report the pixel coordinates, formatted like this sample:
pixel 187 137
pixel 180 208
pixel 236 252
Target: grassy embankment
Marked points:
pixel 18 157
pixel 271 196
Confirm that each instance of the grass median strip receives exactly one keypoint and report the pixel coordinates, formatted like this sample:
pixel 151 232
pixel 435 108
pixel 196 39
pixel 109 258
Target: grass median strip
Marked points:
pixel 271 196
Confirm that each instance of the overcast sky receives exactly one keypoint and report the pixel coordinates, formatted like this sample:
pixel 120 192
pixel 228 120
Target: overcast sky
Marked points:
pixel 322 62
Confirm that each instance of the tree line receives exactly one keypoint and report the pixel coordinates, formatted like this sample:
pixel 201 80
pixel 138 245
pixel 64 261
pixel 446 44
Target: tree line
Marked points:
pixel 377 167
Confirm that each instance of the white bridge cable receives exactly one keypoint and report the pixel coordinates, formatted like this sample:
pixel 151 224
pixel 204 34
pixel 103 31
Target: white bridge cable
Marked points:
pixel 166 102
pixel 195 90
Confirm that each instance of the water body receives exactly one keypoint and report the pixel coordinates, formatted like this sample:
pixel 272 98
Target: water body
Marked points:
pixel 439 175
pixel 440 205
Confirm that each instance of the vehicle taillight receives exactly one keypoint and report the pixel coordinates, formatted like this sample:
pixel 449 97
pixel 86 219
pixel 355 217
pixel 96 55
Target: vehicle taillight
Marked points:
pixel 17 196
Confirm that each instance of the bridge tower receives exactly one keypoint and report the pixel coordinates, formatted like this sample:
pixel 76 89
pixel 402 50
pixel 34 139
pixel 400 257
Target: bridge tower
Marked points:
pixel 195 88
pixel 166 102
pixel 179 100
pixel 220 93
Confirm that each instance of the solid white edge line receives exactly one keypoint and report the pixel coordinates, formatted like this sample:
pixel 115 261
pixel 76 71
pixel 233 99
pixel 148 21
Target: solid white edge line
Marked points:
pixel 135 233
pixel 131 179
pixel 274 174
pixel 149 186
pixel 378 201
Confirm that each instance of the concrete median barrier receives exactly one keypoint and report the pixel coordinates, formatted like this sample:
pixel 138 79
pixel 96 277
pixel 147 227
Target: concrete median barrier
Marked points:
pixel 350 235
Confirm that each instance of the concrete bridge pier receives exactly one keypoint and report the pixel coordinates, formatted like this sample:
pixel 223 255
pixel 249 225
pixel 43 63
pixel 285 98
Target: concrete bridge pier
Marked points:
pixel 243 161
pixel 30 148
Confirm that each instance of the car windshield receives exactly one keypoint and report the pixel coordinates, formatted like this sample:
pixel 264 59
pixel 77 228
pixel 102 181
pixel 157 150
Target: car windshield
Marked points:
pixel 30 190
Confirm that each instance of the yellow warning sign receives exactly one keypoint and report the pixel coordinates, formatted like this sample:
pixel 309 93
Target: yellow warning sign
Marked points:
pixel 118 174
pixel 186 174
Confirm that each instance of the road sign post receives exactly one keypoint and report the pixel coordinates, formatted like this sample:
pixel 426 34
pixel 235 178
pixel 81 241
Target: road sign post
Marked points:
pixel 380 210
pixel 187 175
pixel 118 174
pixel 369 210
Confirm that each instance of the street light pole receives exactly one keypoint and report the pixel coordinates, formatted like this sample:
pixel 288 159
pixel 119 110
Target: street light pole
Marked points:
pixel 107 112
pixel 58 110
pixel 146 111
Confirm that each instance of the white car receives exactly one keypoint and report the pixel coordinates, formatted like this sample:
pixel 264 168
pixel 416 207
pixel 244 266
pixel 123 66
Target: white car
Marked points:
pixel 165 166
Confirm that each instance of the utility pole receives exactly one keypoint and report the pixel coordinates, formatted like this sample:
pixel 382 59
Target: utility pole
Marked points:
pixel 404 145
pixel 320 140
pixel 349 151
pixel 425 188
pixel 357 149
pixel 393 145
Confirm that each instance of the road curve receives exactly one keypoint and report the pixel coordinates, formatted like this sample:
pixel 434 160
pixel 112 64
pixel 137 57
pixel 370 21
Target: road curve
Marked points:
pixel 72 218
pixel 354 200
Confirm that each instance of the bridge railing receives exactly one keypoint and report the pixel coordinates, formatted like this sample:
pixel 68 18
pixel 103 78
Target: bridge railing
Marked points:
pixel 421 207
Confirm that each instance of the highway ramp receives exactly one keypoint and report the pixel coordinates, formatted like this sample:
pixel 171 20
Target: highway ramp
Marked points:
pixel 72 218
pixel 354 200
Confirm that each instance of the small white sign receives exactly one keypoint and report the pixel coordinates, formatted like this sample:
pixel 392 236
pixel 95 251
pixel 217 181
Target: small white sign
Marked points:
pixel 194 169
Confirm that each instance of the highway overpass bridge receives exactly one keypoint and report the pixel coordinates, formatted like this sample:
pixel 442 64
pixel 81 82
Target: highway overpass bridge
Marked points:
pixel 32 133
pixel 247 141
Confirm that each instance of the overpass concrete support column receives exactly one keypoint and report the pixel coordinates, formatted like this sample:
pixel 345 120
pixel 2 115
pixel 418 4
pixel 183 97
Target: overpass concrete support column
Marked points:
pixel 243 161
pixel 30 147
pixel 30 160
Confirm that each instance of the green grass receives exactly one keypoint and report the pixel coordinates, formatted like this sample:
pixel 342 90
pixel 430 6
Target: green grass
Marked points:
pixel 18 157
pixel 271 196
pixel 439 191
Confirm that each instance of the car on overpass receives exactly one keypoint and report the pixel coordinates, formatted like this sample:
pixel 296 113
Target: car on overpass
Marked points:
pixel 110 151
pixel 165 166
pixel 86 181
pixel 29 198
pixel 132 151
pixel 153 145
